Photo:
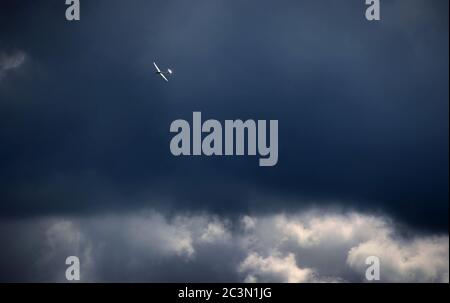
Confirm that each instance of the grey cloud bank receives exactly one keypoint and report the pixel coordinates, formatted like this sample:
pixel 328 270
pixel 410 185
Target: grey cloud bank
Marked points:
pixel 313 246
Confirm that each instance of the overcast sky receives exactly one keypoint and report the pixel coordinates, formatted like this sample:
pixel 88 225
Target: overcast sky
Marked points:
pixel 84 131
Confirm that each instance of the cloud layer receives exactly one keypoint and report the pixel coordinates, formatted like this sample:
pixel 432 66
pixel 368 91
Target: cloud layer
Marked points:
pixel 315 246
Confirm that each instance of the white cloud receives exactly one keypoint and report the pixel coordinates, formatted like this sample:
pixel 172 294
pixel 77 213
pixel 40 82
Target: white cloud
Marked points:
pixel 11 61
pixel 215 231
pixel 422 259
pixel 63 238
pixel 308 247
pixel 156 234
pixel 274 268
pixel 248 222
pixel 334 247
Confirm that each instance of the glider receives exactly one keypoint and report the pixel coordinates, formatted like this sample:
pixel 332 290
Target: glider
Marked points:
pixel 162 74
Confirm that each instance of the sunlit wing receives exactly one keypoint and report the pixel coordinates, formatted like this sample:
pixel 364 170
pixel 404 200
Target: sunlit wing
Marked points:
pixel 157 68
pixel 164 77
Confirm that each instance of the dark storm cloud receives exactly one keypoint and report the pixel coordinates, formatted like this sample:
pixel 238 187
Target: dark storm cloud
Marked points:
pixel 362 107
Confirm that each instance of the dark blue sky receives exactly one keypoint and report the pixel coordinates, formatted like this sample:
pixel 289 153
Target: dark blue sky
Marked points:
pixel 362 106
